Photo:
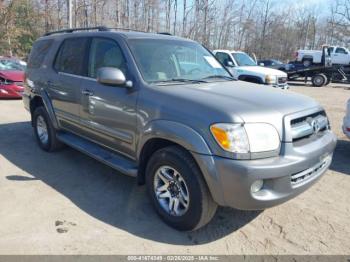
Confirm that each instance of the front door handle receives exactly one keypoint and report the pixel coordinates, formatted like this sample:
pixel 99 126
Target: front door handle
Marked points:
pixel 87 92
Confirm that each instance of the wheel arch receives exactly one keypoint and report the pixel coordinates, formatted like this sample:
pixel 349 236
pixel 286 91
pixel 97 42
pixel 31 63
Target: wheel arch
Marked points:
pixel 162 133
pixel 251 79
pixel 43 100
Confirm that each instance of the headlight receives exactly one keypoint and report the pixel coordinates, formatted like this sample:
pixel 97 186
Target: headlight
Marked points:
pixel 270 79
pixel 245 138
pixel 231 137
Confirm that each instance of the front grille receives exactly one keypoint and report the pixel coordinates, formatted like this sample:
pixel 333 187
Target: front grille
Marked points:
pixel 282 80
pixel 309 125
pixel 310 172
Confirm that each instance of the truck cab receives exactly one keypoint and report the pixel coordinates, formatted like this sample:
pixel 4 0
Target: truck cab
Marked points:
pixel 243 67
pixel 338 56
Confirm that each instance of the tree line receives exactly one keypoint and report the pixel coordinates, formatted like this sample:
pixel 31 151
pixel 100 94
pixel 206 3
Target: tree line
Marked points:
pixel 266 28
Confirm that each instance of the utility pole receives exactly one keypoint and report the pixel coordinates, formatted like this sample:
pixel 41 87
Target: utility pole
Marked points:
pixel 69 13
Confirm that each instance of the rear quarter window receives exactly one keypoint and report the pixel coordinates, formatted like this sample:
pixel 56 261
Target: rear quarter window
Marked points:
pixel 39 52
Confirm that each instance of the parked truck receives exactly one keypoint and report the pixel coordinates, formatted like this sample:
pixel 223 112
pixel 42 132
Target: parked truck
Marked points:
pixel 339 56
pixel 243 67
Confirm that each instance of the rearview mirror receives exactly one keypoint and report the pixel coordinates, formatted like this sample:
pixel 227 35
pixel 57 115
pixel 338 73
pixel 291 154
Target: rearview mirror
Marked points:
pixel 112 76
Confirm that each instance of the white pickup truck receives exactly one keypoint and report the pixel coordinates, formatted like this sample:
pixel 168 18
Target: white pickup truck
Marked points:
pixel 339 56
pixel 243 67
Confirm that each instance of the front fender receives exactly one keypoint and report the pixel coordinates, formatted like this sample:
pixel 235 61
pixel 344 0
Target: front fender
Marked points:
pixel 193 142
pixel 174 132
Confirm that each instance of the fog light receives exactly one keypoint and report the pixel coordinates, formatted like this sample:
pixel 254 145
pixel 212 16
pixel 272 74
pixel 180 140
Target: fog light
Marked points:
pixel 257 186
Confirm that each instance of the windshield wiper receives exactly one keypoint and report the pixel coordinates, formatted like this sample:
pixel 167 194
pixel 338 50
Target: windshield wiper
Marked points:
pixel 182 80
pixel 219 76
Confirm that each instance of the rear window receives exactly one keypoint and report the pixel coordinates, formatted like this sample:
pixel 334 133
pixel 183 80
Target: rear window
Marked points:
pixel 39 52
pixel 71 56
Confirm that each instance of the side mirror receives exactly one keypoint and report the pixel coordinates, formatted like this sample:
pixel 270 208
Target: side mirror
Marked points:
pixel 229 64
pixel 261 64
pixel 112 76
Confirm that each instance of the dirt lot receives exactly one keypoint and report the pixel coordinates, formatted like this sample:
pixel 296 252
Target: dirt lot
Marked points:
pixel 68 203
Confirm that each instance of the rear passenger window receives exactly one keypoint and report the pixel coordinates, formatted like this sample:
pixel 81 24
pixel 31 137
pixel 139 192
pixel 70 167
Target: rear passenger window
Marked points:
pixel 38 53
pixel 105 53
pixel 71 56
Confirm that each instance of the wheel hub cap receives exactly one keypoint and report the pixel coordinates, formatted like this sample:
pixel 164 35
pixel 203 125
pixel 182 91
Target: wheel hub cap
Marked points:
pixel 41 128
pixel 171 191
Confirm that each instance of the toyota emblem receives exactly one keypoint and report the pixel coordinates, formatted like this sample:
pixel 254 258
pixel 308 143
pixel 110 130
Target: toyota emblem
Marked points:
pixel 315 125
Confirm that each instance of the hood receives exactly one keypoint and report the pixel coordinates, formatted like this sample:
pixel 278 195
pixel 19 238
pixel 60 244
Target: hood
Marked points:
pixel 263 70
pixel 16 76
pixel 231 102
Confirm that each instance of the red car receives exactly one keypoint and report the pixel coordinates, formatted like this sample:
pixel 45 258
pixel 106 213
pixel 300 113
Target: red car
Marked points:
pixel 11 78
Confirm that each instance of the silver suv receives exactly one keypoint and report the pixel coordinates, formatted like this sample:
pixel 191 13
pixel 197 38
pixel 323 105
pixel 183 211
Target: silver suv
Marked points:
pixel 164 110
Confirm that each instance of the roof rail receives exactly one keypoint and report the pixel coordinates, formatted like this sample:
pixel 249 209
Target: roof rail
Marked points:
pixel 164 33
pixel 98 28
pixel 71 30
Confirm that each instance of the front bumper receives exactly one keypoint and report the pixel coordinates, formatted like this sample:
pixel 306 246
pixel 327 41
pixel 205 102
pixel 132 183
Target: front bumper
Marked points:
pixel 230 181
pixel 346 126
pixel 282 86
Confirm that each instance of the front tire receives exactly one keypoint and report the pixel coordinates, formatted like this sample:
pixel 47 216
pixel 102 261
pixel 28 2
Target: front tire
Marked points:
pixel 44 131
pixel 177 189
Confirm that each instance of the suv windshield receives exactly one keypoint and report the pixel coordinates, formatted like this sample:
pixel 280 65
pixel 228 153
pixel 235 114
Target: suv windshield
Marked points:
pixel 242 59
pixel 8 64
pixel 175 60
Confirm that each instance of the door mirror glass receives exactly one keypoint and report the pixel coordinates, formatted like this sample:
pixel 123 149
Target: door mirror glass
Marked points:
pixel 111 76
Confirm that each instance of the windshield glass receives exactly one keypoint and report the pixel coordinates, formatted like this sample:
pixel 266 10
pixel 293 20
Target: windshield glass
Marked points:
pixel 243 59
pixel 277 62
pixel 174 60
pixel 8 64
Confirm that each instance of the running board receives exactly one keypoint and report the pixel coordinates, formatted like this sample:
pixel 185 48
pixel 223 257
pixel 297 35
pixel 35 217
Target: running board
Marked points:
pixel 114 160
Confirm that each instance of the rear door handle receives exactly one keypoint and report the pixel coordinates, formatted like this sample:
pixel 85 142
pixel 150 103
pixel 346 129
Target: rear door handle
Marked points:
pixel 87 92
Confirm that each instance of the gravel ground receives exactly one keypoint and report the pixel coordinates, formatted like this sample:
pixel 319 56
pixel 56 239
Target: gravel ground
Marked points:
pixel 68 203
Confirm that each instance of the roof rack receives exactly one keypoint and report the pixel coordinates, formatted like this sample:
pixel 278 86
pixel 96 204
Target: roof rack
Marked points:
pixel 98 28
pixel 164 33
pixel 71 30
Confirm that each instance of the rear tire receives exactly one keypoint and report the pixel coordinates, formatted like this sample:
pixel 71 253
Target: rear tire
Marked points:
pixel 319 80
pixel 174 162
pixel 44 131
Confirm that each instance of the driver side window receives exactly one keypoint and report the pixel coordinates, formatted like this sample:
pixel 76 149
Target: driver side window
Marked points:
pixel 105 53
pixel 224 58
pixel 340 50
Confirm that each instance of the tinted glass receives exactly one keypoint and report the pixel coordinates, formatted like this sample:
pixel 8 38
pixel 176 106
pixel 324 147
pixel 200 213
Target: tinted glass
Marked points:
pixel 340 51
pixel 105 53
pixel 242 59
pixel 266 62
pixel 223 58
pixel 166 60
pixel 38 53
pixel 71 56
